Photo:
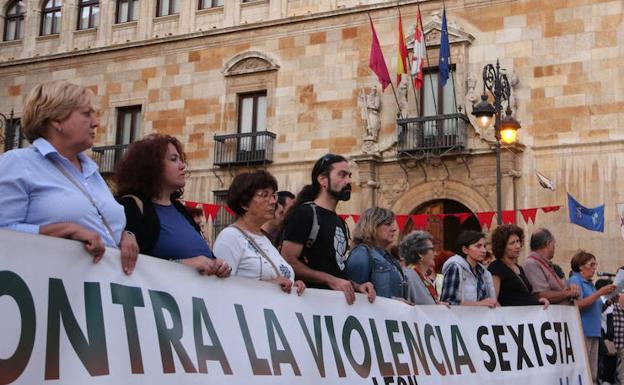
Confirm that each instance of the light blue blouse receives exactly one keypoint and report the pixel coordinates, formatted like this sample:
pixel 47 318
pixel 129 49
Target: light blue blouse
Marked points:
pixel 34 193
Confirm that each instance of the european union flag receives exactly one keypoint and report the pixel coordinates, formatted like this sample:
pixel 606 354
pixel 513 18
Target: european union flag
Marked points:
pixel 445 52
pixel 591 219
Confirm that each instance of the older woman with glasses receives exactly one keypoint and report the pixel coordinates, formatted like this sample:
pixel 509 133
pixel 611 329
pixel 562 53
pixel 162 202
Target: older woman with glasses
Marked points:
pixel 418 252
pixel 584 267
pixel 52 187
pixel 244 245
pixel 370 260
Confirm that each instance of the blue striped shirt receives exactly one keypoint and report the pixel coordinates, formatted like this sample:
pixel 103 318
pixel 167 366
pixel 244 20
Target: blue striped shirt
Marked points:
pixel 34 193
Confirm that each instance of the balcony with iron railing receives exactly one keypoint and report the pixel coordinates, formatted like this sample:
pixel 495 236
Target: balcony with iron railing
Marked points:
pixel 437 135
pixel 107 157
pixel 244 148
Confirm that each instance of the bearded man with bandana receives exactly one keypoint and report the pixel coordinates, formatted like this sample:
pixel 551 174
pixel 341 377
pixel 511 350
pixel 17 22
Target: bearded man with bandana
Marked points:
pixel 320 264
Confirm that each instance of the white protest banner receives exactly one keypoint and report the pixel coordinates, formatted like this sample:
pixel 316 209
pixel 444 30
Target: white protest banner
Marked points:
pixel 68 321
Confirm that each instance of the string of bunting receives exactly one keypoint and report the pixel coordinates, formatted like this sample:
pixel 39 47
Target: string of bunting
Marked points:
pixel 419 221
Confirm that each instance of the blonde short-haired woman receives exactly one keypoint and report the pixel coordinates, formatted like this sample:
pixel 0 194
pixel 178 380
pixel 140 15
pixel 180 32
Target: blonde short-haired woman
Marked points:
pixel 370 261
pixel 52 187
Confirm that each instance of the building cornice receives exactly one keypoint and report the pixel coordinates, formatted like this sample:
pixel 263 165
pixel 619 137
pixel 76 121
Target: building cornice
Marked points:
pixel 367 8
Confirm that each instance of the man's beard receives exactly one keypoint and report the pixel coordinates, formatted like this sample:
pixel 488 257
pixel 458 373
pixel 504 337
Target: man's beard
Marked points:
pixel 342 195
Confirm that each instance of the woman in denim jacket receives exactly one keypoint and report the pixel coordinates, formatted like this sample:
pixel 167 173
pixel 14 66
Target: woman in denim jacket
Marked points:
pixel 370 260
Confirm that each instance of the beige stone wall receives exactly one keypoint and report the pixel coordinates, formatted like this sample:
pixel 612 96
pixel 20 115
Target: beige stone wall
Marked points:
pixel 569 97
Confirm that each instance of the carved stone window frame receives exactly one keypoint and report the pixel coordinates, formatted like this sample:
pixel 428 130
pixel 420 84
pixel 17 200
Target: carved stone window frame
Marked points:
pixel 246 73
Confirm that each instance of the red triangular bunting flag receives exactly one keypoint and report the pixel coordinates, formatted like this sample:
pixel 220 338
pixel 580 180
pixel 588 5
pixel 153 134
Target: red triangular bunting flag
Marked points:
pixel 440 216
pixel 462 217
pixel 485 219
pixel 549 209
pixel 190 204
pixel 344 216
pixel 528 215
pixel 211 210
pixel 509 217
pixel 420 221
pixel 356 218
pixel 401 221
pixel 229 210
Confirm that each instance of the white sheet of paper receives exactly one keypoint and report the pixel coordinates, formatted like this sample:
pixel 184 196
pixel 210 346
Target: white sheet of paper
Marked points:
pixel 619 284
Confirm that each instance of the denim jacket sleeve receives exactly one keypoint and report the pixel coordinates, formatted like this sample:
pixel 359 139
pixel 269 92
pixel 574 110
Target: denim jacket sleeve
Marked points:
pixel 358 268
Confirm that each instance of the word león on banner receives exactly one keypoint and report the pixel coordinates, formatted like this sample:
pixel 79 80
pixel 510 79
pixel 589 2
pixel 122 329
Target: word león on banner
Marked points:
pixel 66 319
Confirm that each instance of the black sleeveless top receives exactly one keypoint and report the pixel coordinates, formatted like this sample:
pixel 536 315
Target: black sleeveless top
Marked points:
pixel 515 290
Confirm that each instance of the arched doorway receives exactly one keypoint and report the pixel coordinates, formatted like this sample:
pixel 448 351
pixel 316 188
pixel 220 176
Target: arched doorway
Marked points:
pixel 445 228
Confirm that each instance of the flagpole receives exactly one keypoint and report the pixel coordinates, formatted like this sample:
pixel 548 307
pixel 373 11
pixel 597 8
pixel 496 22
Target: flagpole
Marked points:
pixel 435 103
pixel 409 65
pixel 451 70
pixel 396 99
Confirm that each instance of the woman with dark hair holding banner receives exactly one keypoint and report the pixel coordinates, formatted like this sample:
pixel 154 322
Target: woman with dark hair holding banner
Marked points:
pixel 52 187
pixel 510 283
pixel 150 179
pixel 244 245
pixel 466 280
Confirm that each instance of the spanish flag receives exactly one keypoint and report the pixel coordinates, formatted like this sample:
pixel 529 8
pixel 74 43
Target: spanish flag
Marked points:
pixel 401 53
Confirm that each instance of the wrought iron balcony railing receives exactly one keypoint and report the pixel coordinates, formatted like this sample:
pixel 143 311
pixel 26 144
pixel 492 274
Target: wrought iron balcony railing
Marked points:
pixel 244 148
pixel 107 157
pixel 437 134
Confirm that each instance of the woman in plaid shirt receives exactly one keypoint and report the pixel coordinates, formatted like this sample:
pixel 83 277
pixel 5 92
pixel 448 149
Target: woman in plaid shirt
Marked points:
pixel 466 280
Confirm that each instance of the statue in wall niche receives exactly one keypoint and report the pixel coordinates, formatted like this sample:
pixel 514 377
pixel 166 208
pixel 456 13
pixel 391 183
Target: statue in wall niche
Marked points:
pixel 472 96
pixel 402 96
pixel 370 106
pixel 513 100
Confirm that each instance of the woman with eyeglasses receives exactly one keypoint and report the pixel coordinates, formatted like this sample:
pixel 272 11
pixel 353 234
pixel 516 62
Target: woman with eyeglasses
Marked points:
pixel 417 250
pixel 244 245
pixel 584 267
pixel 370 260
pixel 150 178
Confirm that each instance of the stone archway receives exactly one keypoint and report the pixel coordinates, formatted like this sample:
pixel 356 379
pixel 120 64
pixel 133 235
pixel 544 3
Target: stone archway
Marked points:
pixel 443 197
pixel 419 195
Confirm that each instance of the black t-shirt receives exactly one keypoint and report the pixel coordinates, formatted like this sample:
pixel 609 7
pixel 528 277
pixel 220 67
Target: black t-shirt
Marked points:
pixel 515 290
pixel 329 251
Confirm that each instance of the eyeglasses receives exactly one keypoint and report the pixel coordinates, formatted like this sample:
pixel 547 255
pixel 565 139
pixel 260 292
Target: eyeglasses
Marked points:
pixel 592 264
pixel 266 195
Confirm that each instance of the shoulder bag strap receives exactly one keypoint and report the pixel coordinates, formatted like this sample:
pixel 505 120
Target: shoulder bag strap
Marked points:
pixel 258 249
pixel 86 194
pixel 550 270
pixel 315 226
pixel 136 200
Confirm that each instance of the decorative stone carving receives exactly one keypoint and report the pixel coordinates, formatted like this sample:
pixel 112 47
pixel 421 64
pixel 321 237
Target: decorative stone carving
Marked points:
pixel 472 97
pixel 373 148
pixel 249 62
pixel 513 83
pixel 392 189
pixel 370 106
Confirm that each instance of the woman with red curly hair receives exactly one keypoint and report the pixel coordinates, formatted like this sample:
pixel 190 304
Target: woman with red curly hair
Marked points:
pixel 150 178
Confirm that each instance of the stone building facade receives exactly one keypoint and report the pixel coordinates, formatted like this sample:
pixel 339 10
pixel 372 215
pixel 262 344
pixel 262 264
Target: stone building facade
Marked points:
pixel 304 66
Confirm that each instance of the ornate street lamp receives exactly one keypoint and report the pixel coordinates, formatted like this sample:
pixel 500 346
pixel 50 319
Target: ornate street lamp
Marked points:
pixel 505 128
